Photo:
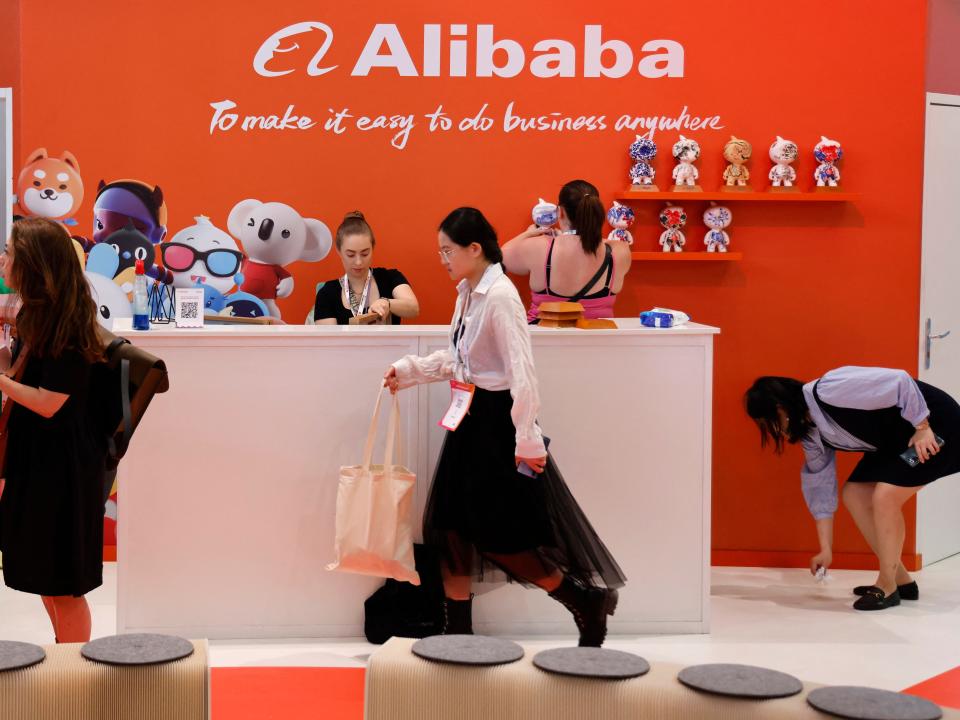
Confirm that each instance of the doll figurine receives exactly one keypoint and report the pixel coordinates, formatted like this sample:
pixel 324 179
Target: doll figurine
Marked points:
pixel 783 152
pixel 544 214
pixel 736 152
pixel 620 218
pixel 685 152
pixel 827 152
pixel 643 150
pixel 717 218
pixel 673 218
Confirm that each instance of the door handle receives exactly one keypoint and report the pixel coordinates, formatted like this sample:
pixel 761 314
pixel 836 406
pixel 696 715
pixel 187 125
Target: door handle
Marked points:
pixel 928 341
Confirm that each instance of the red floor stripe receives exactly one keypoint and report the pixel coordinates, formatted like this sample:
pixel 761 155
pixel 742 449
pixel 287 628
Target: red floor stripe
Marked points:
pixel 286 693
pixel 944 689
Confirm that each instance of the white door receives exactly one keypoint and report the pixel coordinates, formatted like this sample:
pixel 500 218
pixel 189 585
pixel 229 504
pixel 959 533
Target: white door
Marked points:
pixel 6 163
pixel 938 506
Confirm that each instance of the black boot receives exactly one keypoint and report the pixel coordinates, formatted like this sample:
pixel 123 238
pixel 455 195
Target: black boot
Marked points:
pixel 458 616
pixel 590 607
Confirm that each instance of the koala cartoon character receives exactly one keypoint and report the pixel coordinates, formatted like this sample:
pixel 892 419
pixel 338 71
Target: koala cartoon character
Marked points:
pixel 50 187
pixel 203 255
pixel 274 235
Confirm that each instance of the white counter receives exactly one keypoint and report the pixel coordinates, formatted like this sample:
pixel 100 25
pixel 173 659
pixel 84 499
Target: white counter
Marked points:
pixel 227 494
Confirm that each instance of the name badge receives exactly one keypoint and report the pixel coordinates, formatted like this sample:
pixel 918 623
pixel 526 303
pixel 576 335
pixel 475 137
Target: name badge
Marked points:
pixel 461 395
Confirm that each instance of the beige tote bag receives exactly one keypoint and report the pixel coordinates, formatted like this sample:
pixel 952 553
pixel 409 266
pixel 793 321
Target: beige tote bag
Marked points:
pixel 375 510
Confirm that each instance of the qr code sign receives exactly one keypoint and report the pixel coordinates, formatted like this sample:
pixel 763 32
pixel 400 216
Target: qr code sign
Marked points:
pixel 189 307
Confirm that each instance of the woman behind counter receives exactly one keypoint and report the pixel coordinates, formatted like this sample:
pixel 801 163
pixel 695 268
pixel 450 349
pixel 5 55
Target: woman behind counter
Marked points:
pixel 362 289
pixel 575 264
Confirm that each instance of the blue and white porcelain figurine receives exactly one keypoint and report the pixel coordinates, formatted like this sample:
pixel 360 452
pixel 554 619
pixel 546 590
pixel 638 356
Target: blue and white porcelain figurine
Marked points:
pixel 620 217
pixel 643 150
pixel 545 214
pixel 717 218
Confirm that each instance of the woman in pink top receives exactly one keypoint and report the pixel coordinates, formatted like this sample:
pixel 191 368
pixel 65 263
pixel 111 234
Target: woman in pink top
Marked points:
pixel 574 263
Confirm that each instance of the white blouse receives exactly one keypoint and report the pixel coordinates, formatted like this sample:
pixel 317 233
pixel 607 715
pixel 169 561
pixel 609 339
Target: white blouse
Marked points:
pixel 492 352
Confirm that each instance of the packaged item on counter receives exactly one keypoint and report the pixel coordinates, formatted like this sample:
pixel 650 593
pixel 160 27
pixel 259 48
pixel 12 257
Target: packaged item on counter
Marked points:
pixel 663 318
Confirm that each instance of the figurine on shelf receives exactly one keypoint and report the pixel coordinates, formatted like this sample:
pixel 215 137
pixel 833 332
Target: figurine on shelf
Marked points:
pixel 643 150
pixel 673 218
pixel 620 218
pixel 827 152
pixel 685 152
pixel 783 152
pixel 737 152
pixel 545 214
pixel 717 218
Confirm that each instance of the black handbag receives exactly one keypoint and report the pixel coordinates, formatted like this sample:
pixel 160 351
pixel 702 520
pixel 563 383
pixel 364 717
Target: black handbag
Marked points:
pixel 404 610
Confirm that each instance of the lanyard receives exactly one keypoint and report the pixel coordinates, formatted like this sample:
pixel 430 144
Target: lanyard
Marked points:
pixel 458 336
pixel 345 283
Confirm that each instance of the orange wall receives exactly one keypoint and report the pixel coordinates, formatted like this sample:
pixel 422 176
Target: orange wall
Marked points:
pixel 819 286
pixel 10 62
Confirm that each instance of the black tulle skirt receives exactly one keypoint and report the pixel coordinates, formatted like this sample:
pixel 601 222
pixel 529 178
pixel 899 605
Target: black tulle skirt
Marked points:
pixel 482 512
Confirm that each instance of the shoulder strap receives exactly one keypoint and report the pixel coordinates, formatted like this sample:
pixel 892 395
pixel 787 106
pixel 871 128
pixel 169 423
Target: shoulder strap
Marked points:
pixel 609 279
pixel 117 452
pixel 605 267
pixel 547 265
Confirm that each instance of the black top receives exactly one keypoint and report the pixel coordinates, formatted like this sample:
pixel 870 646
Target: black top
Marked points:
pixel 51 511
pixel 884 428
pixel 329 302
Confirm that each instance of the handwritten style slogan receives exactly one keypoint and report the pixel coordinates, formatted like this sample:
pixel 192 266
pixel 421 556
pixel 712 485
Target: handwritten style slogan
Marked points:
pixel 385 51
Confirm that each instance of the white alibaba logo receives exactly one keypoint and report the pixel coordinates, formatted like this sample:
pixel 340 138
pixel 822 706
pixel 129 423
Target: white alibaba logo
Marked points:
pixel 385 49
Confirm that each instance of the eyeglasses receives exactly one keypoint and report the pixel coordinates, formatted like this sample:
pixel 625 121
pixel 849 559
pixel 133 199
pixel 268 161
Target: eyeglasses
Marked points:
pixel 220 262
pixel 446 253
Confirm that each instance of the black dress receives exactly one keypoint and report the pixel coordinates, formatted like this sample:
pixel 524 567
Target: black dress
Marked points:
pixel 329 302
pixel 887 431
pixel 479 500
pixel 51 511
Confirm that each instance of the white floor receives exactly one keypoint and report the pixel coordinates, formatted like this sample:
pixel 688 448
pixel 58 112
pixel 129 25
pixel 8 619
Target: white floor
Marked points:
pixel 775 618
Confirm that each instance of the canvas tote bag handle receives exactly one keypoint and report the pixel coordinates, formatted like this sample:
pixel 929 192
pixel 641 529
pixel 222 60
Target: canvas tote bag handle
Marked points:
pixel 393 432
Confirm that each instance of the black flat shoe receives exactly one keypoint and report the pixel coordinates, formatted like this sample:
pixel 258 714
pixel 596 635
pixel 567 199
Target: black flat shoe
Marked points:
pixel 874 599
pixel 908 591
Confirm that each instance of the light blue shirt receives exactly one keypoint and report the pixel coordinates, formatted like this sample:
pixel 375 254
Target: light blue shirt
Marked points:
pixel 859 388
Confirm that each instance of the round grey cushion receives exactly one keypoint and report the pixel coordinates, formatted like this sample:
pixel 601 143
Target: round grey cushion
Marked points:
pixel 592 663
pixel 137 649
pixel 743 681
pixel 19 655
pixel 863 703
pixel 468 650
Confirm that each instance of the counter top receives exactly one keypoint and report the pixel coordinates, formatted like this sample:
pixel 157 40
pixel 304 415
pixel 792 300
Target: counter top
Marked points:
pixel 629 326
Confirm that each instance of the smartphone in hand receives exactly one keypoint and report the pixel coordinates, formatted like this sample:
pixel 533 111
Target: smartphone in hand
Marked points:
pixel 525 469
pixel 909 456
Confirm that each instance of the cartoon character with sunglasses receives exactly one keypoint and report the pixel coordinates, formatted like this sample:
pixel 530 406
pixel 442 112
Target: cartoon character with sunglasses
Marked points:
pixel 206 257
pixel 203 255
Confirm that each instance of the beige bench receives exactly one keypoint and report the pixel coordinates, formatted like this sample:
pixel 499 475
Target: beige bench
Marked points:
pixel 66 686
pixel 401 686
